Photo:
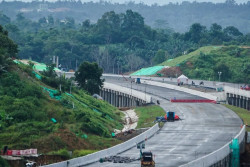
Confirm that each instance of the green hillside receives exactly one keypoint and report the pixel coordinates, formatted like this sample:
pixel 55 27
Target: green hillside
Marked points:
pixel 178 60
pixel 206 62
pixel 34 115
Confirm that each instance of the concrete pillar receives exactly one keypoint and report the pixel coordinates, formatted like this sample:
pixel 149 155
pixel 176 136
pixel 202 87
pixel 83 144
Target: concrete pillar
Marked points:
pixel 120 100
pixel 240 101
pixel 109 96
pixel 236 100
pixel 247 103
pixel 112 98
pixel 117 99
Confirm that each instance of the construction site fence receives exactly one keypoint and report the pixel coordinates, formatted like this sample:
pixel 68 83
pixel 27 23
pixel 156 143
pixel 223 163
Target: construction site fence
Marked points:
pixel 218 155
pixel 91 158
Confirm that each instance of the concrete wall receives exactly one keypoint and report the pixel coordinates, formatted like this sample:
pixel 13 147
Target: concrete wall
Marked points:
pixel 107 152
pixel 174 87
pixel 131 92
pixel 237 97
pixel 217 155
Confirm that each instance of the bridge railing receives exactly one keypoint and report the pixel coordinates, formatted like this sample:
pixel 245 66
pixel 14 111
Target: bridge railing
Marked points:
pixel 237 91
pixel 128 91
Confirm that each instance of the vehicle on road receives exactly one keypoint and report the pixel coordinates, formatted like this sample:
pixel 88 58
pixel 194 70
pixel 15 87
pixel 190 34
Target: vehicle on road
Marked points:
pixel 245 87
pixel 147 160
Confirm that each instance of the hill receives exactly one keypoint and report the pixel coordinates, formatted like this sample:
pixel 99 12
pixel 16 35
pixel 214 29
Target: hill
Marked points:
pixel 176 16
pixel 206 62
pixel 34 115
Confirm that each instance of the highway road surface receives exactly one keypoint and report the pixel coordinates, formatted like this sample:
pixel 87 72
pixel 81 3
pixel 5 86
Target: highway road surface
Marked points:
pixel 203 129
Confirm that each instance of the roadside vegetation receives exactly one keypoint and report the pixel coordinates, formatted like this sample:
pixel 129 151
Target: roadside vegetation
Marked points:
pixel 205 63
pixel 147 115
pixel 242 113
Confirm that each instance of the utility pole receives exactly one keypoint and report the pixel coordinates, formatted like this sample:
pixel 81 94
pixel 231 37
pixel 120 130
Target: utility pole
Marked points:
pixel 219 73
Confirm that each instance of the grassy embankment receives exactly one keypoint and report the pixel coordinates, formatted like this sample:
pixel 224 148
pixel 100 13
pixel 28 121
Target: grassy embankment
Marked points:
pixel 242 113
pixel 26 110
pixel 205 62
pixel 147 115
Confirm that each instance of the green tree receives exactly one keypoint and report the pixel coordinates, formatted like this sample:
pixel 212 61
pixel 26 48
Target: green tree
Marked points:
pixel 50 71
pixel 159 57
pixel 88 77
pixel 225 72
pixel 4 19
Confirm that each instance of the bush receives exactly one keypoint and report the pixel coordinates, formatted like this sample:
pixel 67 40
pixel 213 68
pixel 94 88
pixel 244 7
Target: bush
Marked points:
pixel 62 152
pixel 79 153
pixel 3 163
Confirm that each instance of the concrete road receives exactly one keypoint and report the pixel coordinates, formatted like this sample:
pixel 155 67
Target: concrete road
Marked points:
pixel 203 129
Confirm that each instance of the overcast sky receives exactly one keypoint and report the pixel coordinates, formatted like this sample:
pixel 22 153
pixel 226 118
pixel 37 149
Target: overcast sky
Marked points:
pixel 148 2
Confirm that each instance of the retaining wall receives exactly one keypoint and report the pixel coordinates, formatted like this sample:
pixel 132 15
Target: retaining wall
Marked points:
pixel 178 88
pixel 217 155
pixel 107 152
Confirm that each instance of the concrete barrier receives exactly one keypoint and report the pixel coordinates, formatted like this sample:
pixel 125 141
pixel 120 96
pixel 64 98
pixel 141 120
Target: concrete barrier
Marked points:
pixel 128 91
pixel 191 101
pixel 217 155
pixel 107 152
pixel 178 88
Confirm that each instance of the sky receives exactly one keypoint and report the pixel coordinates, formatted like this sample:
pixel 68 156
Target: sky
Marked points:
pixel 148 2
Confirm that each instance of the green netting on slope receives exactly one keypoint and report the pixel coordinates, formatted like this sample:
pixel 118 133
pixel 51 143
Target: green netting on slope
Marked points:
pixel 52 93
pixel 41 67
pixel 16 61
pixel 148 71
pixel 235 159
pixel 94 109
pixel 37 75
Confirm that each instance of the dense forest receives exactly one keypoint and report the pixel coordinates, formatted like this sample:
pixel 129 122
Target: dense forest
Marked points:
pixel 117 42
pixel 176 16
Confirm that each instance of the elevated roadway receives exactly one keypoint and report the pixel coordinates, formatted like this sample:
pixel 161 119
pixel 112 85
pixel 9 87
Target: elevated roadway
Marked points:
pixel 203 129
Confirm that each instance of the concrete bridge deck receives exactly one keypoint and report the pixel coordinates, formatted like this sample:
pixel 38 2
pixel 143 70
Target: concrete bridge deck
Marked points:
pixel 204 129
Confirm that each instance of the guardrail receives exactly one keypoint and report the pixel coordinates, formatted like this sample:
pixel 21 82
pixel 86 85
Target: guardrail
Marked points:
pixel 128 91
pixel 91 158
pixel 174 87
pixel 217 155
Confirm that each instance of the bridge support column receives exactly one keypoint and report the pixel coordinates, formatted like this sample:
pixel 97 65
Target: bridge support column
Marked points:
pixel 240 101
pixel 247 103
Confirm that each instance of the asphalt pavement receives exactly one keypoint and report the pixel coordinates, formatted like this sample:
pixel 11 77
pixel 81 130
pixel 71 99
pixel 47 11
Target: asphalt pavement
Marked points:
pixel 203 129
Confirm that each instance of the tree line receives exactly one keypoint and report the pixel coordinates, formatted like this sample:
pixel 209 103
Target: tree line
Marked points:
pixel 177 16
pixel 117 42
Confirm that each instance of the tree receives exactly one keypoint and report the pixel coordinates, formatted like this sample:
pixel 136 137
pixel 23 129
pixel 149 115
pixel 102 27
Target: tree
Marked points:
pixel 50 71
pixel 88 77
pixel 226 72
pixel 159 57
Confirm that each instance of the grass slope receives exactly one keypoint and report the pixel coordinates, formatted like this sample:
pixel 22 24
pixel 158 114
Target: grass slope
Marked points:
pixel 147 115
pixel 204 63
pixel 179 60
pixel 26 111
pixel 242 113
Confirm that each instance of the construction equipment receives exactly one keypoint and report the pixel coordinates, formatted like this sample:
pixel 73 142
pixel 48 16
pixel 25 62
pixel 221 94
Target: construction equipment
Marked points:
pixel 147 160
pixel 146 157
pixel 169 116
